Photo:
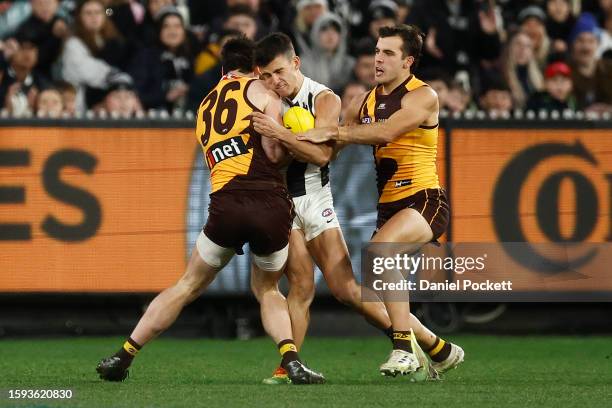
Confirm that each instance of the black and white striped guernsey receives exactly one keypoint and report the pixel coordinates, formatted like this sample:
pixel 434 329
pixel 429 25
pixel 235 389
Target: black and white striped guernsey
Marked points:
pixel 305 178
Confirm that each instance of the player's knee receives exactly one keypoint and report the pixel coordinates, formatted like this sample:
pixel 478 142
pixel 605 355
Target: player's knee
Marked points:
pixel 189 289
pixel 302 290
pixel 262 284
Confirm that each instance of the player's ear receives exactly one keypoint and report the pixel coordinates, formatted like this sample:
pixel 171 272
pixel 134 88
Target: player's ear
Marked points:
pixel 257 71
pixel 408 61
pixel 297 62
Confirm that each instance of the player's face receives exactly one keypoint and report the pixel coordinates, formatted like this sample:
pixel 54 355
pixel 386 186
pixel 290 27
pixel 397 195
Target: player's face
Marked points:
pixel 389 63
pixel 281 75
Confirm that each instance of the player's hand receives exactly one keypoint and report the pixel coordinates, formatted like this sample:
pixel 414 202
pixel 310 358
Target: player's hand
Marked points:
pixel 267 126
pixel 318 135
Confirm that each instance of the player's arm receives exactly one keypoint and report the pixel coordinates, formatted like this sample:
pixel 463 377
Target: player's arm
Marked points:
pixel 351 117
pixel 417 106
pixel 327 106
pixel 270 104
pixel 274 149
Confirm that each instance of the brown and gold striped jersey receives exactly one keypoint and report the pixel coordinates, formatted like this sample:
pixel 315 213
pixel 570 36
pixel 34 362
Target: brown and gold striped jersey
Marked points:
pixel 232 148
pixel 407 164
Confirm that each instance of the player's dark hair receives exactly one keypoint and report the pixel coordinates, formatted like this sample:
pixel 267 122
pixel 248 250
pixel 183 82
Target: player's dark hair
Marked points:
pixel 238 54
pixel 412 40
pixel 271 46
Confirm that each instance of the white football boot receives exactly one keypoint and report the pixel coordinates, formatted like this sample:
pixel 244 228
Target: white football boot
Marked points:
pixel 454 358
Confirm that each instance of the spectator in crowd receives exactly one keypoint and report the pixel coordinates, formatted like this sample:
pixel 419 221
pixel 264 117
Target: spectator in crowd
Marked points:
pixel 121 99
pixel 210 57
pixel 403 10
pixel 328 62
pixel 242 18
pixel 458 99
pixel 162 74
pixel 520 69
pixel 204 82
pixel 308 11
pixel 591 76
pixel 19 82
pixel 149 25
pixel 559 24
pixel 381 13
pixel 351 90
pixel 122 14
pixel 496 98
pixel 94 51
pixel 246 16
pixel 364 69
pixel 68 92
pixel 12 15
pixel 48 30
pixel 438 80
pixel 460 35
pixel 532 22
pixel 557 94
pixel 49 104
pixel 605 38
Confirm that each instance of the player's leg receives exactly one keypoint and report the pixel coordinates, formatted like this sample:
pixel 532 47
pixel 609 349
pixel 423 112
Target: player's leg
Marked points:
pixel 331 255
pixel 267 271
pixel 412 228
pixel 413 231
pixel 207 258
pixel 300 274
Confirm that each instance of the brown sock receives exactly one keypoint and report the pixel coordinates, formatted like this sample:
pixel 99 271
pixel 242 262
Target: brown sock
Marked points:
pixel 440 350
pixel 402 340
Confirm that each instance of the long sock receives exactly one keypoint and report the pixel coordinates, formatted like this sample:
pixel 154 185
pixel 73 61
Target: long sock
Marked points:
pixel 129 350
pixel 388 332
pixel 402 340
pixel 288 352
pixel 440 350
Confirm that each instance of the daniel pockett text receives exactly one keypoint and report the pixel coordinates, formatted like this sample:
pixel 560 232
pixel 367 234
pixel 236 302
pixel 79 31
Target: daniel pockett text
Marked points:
pixel 487 272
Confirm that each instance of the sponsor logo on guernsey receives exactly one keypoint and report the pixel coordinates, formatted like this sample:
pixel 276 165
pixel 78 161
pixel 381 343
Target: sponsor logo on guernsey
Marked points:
pixel 403 183
pixel 382 106
pixel 366 120
pixel 224 150
pixel 327 212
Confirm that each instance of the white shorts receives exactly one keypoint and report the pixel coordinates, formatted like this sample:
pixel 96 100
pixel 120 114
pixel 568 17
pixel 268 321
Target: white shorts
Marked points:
pixel 314 213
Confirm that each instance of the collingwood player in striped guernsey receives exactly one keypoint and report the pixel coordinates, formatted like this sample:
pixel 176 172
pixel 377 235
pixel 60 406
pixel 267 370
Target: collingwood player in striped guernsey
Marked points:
pixel 316 233
pixel 399 118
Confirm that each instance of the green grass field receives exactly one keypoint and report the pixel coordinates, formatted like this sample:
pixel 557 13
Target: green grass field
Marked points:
pixel 498 372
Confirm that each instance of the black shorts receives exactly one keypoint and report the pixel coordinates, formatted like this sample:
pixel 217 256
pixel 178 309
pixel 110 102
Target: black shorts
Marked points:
pixel 431 203
pixel 261 218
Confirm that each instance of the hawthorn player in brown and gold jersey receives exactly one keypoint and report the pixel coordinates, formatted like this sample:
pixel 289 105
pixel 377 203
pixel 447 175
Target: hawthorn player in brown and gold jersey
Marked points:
pixel 249 203
pixel 400 119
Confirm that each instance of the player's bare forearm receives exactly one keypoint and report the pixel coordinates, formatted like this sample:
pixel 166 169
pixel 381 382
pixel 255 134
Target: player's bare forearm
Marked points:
pixel 303 151
pixel 318 154
pixel 417 107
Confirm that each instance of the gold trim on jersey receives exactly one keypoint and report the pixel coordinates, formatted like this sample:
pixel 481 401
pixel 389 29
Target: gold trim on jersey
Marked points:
pixel 408 164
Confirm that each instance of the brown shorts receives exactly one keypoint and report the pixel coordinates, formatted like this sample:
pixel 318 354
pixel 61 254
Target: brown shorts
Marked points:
pixel 431 203
pixel 261 218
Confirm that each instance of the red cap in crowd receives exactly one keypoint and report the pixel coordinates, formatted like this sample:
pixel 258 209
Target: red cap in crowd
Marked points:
pixel 557 68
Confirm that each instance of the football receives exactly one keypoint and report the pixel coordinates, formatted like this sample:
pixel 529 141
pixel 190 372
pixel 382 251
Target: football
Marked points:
pixel 298 119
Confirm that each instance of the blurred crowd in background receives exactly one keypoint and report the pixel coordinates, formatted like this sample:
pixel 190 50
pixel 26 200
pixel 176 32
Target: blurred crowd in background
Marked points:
pixel 64 58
